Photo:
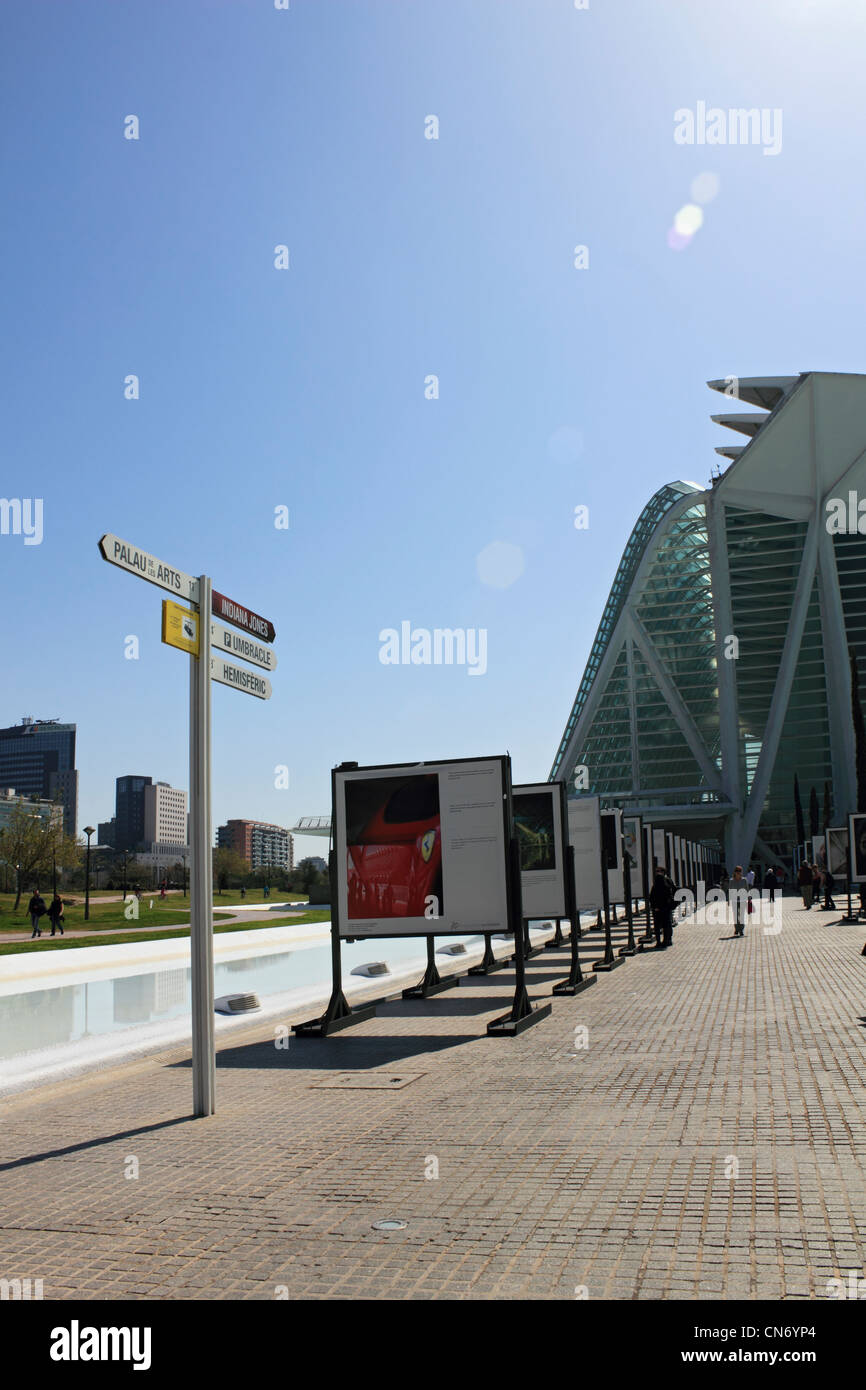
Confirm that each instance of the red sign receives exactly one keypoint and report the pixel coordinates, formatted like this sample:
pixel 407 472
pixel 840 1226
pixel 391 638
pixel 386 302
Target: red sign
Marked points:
pixel 241 617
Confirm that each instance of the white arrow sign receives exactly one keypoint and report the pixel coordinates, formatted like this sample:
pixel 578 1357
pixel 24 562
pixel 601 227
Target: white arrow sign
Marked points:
pixel 240 678
pixel 134 561
pixel 246 648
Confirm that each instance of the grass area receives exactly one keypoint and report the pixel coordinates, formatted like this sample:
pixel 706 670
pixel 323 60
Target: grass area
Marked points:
pixel 232 897
pixel 111 938
pixel 103 916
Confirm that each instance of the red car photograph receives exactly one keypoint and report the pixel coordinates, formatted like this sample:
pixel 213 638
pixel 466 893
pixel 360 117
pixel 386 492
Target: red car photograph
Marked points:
pixel 394 846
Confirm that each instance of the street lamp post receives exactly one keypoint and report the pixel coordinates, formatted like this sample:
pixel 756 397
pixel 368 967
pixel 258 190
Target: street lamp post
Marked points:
pixel 88 830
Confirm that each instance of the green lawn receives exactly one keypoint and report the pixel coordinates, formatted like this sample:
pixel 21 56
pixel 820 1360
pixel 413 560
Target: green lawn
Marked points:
pixel 106 937
pixel 102 915
pixel 232 897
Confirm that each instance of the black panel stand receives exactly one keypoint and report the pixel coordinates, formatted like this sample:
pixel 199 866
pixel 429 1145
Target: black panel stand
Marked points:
pixel 522 1014
pixel 629 949
pixel 576 980
pixel 556 940
pixel 608 961
pixel 339 1014
pixel 851 916
pixel 432 982
pixel 528 949
pixel 488 963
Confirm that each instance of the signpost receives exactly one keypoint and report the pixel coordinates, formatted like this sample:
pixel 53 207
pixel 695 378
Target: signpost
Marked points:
pixel 240 678
pixel 139 562
pixel 237 644
pixel 190 630
pixel 240 616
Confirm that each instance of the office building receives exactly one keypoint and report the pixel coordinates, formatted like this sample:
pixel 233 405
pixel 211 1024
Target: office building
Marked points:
pixel 261 844
pixel 37 758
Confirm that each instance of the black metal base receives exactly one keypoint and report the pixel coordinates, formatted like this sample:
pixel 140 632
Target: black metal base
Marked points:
pixel 322 1027
pixel 627 951
pixel 566 987
pixel 508 1027
pixel 609 964
pixel 529 952
pixel 424 990
pixel 490 969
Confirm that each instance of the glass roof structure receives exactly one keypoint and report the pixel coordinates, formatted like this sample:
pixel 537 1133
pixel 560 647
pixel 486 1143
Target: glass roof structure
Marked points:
pixel 720 667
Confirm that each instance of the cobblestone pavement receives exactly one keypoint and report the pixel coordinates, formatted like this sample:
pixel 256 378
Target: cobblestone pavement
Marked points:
pixel 707 1141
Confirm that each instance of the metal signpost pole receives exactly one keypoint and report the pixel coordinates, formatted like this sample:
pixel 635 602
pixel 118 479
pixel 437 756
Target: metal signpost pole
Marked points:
pixel 201 866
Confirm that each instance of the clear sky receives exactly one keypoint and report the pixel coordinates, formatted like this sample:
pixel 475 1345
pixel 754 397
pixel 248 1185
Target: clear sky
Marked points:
pixel 408 256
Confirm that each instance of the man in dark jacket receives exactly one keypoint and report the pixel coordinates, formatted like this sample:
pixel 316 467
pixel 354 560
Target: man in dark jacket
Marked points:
pixel 36 908
pixel 662 906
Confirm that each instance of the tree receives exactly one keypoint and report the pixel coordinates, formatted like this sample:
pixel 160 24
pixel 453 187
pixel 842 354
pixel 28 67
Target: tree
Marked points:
pixel 31 844
pixel 227 863
pixel 828 805
pixel 859 731
pixel 813 812
pixel 798 811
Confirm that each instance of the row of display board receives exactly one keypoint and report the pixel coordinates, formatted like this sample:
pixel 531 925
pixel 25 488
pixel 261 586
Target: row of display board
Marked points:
pixel 838 846
pixel 422 848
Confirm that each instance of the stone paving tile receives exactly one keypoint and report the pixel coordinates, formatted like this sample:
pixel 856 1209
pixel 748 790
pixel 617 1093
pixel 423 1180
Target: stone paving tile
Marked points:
pixel 708 1140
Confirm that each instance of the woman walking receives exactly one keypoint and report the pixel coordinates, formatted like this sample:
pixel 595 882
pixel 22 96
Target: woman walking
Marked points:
pixel 738 896
pixel 55 914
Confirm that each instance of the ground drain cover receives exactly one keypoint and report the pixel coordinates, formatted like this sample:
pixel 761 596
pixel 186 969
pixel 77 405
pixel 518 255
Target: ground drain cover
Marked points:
pixel 390 1225
pixel 368 1081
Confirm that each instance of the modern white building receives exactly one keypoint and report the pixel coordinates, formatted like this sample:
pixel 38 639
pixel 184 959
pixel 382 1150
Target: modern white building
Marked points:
pixel 722 664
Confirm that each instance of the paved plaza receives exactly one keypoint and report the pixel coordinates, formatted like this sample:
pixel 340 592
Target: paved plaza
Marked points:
pixel 691 1127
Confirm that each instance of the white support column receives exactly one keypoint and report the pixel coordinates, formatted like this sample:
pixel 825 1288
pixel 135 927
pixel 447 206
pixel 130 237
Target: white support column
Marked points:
pixel 675 703
pixel 632 713
pixel 837 675
pixel 201 866
pixel 782 688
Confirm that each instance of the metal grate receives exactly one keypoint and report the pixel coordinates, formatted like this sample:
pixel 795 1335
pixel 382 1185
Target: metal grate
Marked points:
pixel 368 1081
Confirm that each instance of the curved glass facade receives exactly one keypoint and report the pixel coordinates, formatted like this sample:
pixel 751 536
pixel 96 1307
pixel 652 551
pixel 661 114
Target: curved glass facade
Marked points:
pixel 720 667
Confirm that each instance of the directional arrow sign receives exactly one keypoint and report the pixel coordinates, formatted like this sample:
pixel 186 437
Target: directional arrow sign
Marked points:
pixel 129 557
pixel 240 677
pixel 239 616
pixel 245 648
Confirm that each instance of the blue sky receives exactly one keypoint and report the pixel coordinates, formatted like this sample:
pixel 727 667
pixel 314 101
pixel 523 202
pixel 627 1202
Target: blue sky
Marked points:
pixel 408 257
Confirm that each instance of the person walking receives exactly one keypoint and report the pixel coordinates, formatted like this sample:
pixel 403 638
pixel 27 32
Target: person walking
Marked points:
pixel 804 883
pixel 662 906
pixel 243 892
pixel 738 896
pixel 770 883
pixel 829 884
pixel 816 885
pixel 36 908
pixel 55 914
pixel 750 878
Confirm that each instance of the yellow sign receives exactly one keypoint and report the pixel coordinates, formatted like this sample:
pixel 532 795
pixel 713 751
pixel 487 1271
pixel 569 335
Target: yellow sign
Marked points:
pixel 180 627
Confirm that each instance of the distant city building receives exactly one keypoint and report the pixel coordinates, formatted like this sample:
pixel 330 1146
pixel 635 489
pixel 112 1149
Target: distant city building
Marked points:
pixel 10 798
pixel 160 858
pixel 262 845
pixel 129 811
pixel 37 758
pixel 164 815
pixel 317 862
pixel 106 831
